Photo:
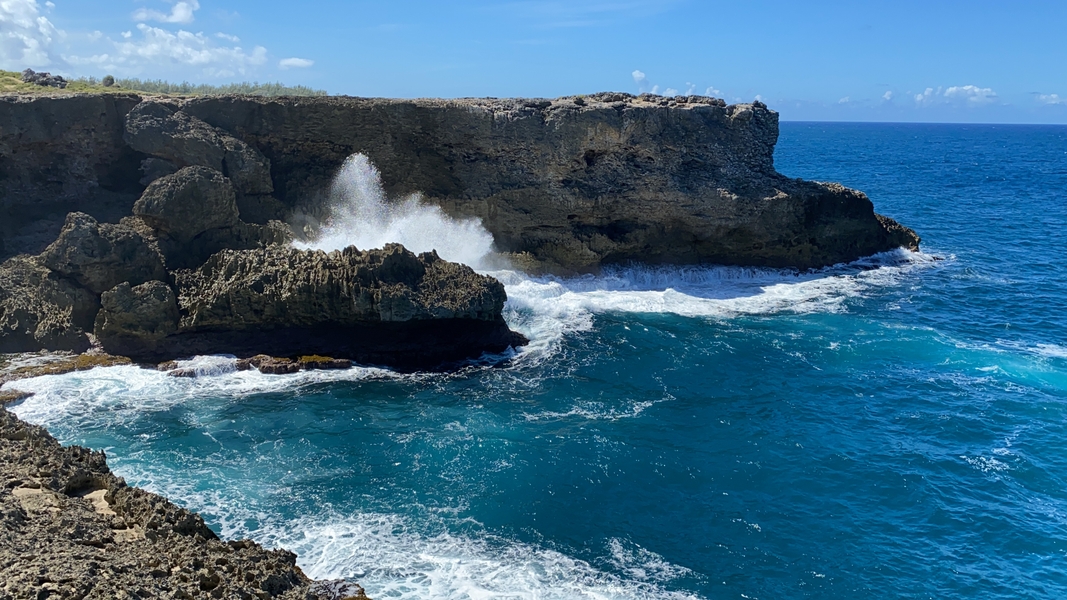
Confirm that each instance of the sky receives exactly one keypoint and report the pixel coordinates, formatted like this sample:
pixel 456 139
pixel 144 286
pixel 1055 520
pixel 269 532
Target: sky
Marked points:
pixel 872 60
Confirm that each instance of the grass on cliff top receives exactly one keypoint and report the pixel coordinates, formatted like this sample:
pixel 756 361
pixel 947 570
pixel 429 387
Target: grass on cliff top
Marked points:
pixel 11 82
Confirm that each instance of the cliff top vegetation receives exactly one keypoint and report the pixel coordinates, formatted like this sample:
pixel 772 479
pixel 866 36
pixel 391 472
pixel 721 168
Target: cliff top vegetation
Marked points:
pixel 11 82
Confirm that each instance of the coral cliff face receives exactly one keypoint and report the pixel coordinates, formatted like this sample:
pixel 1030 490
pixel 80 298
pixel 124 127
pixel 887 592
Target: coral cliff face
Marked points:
pixel 575 183
pixel 568 184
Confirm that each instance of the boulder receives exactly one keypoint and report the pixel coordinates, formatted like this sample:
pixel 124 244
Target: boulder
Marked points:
pixel 385 306
pixel 185 204
pixel 41 310
pixel 43 79
pixel 161 131
pixel 100 256
pixel 135 320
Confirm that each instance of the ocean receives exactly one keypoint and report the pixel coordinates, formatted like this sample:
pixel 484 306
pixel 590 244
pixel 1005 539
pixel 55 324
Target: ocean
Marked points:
pixel 891 428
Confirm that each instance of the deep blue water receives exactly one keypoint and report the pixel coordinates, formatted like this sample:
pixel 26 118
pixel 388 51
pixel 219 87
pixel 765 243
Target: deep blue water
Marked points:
pixel 897 431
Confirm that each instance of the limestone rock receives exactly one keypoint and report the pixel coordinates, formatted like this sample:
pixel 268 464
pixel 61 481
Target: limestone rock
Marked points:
pixel 40 310
pixel 163 131
pixel 573 187
pixel 188 203
pixel 100 256
pixel 69 528
pixel 385 306
pixel 135 320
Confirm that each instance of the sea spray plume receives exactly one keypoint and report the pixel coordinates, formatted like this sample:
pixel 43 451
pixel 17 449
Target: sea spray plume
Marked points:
pixel 361 215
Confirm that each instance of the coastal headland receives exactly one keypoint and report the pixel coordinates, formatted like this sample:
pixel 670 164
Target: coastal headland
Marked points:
pixel 158 228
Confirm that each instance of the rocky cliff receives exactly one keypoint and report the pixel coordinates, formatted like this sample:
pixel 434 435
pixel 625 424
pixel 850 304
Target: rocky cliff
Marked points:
pixel 567 184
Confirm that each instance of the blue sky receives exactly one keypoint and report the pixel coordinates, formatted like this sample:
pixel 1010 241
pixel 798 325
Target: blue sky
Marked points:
pixel 976 61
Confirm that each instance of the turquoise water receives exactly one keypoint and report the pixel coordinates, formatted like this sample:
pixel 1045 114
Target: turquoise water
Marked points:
pixel 892 428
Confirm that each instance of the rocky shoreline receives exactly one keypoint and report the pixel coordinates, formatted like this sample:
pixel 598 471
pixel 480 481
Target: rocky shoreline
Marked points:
pixel 69 528
pixel 151 229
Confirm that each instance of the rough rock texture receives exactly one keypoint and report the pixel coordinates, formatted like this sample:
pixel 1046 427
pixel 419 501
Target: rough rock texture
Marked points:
pixel 100 256
pixel 379 306
pixel 69 528
pixel 59 155
pixel 188 203
pixel 135 320
pixel 569 184
pixel 614 178
pixel 42 310
pixel 157 129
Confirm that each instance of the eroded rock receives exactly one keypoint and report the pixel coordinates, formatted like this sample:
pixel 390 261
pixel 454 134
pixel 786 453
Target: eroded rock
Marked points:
pixel 136 320
pixel 99 256
pixel 188 203
pixel 164 132
pixel 69 528
pixel 40 310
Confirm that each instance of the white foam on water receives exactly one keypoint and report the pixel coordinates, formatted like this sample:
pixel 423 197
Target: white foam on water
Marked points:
pixel 1051 350
pixel 392 557
pixel 361 215
pixel 124 392
pixel 546 309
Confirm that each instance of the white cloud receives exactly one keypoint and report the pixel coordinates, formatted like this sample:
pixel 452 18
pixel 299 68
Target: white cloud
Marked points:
pixel 639 77
pixel 26 37
pixel 670 92
pixel 760 99
pixel 181 12
pixel 968 95
pixel 228 37
pixel 711 91
pixel 295 63
pixel 127 34
pixel 972 94
pixel 887 96
pixel 1051 99
pixel 689 88
pixel 159 47
pixel 844 100
pixel 928 96
pixel 50 5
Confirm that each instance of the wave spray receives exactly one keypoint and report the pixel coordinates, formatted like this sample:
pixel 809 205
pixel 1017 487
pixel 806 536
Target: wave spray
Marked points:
pixel 362 216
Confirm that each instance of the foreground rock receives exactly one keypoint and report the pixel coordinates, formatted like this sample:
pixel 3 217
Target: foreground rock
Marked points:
pixel 564 185
pixel 69 528
pixel 387 307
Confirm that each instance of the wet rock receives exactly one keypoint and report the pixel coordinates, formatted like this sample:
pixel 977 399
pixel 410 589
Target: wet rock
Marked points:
pixel 183 373
pixel 278 366
pixel 135 320
pixel 9 396
pixel 324 362
pixel 100 256
pixel 65 363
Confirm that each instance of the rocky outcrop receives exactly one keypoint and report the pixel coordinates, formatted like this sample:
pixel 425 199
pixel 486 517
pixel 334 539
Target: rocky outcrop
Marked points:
pixel 39 309
pixel 63 154
pixel 159 130
pixel 385 306
pixel 188 203
pixel 571 186
pixel 100 256
pixel 564 185
pixel 69 528
pixel 136 320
